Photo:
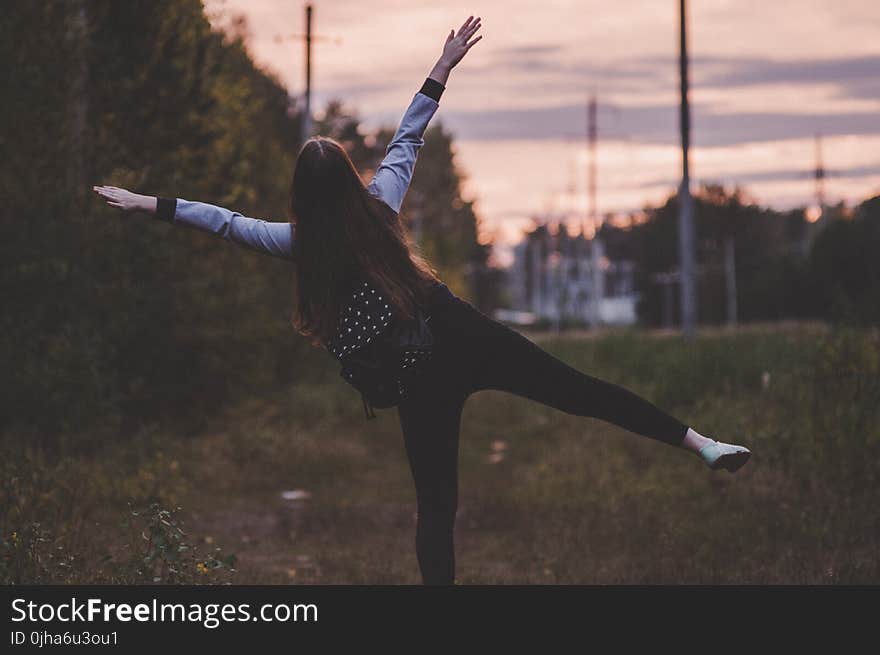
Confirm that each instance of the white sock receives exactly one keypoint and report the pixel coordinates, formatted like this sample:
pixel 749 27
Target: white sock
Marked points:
pixel 694 441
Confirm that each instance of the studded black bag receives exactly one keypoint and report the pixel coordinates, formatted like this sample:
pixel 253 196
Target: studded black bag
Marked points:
pixel 381 354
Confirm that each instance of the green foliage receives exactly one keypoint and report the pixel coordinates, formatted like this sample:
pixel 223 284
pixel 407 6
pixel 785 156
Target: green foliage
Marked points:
pixel 844 267
pixel 158 553
pixel 110 317
pixel 164 555
pixel 770 273
pixel 122 320
pixel 786 267
pixel 60 509
pixel 29 558
pixel 442 222
pixel 844 406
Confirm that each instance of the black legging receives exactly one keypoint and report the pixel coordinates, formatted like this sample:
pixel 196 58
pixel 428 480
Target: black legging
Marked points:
pixel 474 352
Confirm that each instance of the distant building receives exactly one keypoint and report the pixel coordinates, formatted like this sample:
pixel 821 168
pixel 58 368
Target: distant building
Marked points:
pixel 565 279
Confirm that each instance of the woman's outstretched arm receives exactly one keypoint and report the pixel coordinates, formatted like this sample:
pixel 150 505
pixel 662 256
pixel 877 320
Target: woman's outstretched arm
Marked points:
pixel 393 176
pixel 269 238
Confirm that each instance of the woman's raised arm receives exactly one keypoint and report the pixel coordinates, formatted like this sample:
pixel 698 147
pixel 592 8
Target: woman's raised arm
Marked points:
pixel 392 178
pixel 270 238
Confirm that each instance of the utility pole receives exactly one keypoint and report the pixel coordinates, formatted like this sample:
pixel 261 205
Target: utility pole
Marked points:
pixel 820 176
pixel 307 115
pixel 685 201
pixel 308 39
pixel 417 204
pixel 814 215
pixel 78 107
pixel 595 254
pixel 567 249
pixel 559 274
pixel 730 277
pixel 667 282
pixel 592 134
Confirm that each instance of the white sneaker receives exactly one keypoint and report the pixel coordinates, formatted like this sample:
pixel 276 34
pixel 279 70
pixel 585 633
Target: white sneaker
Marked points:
pixel 718 455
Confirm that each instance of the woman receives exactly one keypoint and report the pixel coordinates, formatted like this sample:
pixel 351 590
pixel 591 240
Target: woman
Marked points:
pixel 338 228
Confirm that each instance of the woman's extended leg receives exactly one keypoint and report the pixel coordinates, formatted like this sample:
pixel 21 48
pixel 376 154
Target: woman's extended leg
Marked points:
pixel 503 359
pixel 506 360
pixel 430 418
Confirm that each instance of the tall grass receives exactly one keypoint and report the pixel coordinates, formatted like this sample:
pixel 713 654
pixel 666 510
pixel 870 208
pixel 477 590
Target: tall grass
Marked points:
pixel 545 497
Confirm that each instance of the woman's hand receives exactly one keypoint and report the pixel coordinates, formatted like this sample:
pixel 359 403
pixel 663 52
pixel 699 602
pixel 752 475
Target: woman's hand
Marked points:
pixel 125 200
pixel 457 45
pixel 455 48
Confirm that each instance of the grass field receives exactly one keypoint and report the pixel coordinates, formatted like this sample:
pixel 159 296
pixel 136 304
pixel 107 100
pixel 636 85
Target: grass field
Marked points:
pixel 545 497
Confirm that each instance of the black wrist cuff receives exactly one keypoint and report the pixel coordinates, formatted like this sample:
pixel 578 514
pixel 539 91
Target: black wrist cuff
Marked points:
pixel 432 88
pixel 166 208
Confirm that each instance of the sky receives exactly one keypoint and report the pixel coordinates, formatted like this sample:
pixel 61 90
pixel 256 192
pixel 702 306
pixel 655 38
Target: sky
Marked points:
pixel 766 78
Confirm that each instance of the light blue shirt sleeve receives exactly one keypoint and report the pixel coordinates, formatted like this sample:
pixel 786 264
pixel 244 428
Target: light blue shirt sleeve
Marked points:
pixel 389 184
pixel 271 238
pixel 393 175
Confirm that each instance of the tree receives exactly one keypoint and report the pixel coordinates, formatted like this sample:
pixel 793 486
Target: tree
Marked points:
pixel 768 261
pixel 110 316
pixel 844 267
pixel 122 319
pixel 442 221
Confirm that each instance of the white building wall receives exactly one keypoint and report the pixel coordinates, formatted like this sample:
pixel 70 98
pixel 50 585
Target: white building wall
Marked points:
pixel 578 285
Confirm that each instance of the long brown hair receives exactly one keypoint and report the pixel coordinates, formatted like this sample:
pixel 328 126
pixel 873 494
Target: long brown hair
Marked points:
pixel 342 231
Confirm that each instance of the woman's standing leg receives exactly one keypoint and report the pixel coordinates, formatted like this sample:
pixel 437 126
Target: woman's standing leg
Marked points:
pixel 430 418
